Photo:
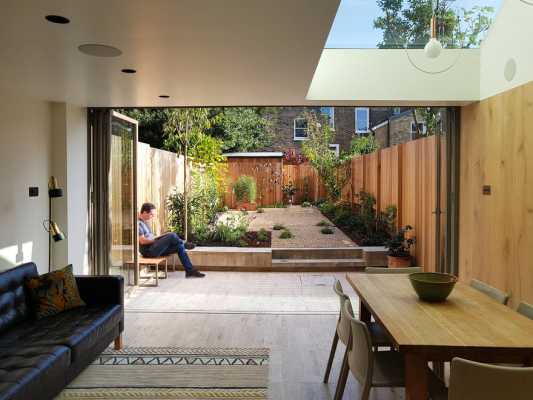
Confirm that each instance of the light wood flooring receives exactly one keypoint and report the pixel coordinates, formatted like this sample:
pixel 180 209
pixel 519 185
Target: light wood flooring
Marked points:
pixel 280 311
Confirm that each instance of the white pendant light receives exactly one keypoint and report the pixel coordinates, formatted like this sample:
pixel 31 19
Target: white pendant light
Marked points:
pixel 433 48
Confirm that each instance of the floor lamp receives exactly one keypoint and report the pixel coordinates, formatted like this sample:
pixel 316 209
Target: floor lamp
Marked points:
pixel 54 191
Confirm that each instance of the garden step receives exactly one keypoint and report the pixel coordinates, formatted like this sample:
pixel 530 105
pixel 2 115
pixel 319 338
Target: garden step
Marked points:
pixel 317 253
pixel 318 264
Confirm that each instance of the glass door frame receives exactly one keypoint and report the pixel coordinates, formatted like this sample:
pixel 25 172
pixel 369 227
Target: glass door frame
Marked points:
pixel 134 216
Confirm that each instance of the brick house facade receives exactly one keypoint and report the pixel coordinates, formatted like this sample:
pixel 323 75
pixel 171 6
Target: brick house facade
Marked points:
pixel 289 126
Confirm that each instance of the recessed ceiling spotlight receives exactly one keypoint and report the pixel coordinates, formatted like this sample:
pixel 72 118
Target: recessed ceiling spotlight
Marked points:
pixel 99 50
pixel 164 96
pixel 57 19
pixel 128 71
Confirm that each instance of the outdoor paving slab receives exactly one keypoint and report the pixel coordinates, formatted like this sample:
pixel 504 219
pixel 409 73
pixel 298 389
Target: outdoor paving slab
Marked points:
pixel 301 221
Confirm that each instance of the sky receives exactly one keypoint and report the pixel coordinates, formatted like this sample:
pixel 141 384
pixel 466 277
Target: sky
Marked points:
pixel 354 23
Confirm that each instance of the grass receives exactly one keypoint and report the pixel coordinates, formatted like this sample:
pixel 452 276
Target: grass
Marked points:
pixel 326 230
pixel 286 234
pixel 278 227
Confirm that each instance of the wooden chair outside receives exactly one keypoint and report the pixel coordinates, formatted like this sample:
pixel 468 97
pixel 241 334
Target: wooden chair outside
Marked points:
pixel 490 291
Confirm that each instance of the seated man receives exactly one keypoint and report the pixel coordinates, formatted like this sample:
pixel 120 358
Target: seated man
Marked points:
pixel 169 243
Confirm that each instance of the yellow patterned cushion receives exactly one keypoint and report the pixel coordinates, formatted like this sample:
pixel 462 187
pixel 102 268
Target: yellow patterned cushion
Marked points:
pixel 54 292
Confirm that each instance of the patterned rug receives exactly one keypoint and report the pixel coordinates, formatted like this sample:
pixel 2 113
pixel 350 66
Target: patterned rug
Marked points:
pixel 164 373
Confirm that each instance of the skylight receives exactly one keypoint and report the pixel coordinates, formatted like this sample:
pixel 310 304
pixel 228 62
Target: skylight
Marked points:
pixel 356 20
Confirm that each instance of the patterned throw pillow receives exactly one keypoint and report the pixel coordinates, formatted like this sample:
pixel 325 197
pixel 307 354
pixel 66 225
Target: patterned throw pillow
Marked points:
pixel 54 292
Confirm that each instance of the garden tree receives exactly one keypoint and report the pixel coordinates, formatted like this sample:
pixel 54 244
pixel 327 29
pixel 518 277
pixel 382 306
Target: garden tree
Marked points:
pixel 151 122
pixel 182 125
pixel 406 23
pixel 244 129
pixel 363 145
pixel 334 171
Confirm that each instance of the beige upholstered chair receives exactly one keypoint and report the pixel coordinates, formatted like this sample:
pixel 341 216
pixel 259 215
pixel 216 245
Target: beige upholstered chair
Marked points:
pixel 379 270
pixel 471 380
pixel 370 368
pixel 342 331
pixel 490 291
pixel 525 309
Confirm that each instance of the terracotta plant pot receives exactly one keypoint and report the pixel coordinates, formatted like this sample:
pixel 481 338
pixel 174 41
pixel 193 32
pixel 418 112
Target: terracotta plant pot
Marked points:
pixel 247 206
pixel 399 262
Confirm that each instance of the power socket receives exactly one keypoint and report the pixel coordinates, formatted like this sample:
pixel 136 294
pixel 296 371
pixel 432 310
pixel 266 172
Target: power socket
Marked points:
pixel 34 191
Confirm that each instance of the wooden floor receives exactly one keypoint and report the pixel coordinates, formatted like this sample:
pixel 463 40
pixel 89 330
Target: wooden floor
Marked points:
pixel 299 336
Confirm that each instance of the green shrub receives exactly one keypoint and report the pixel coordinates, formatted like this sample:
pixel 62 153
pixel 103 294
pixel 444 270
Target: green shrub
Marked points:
pixel 243 243
pixel 326 230
pixel 306 204
pixel 245 189
pixel 286 234
pixel 262 235
pixel 278 227
pixel 327 207
pixel 260 211
pixel 232 229
pixel 323 223
pixel 341 214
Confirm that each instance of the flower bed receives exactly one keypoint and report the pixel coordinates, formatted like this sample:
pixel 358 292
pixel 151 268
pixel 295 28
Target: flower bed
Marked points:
pixel 249 239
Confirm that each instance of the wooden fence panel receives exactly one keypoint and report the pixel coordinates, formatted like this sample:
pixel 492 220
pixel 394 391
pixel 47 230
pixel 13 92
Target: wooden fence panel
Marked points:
pixel 390 180
pixel 372 175
pixel 267 172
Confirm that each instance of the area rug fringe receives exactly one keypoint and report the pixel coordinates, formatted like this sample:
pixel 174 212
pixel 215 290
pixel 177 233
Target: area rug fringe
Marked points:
pixel 163 394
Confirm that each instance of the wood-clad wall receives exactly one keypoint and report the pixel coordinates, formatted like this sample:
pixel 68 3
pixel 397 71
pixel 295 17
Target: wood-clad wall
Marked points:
pixel 496 230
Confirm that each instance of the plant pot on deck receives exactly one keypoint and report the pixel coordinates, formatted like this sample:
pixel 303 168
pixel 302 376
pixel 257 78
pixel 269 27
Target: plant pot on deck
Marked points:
pixel 399 262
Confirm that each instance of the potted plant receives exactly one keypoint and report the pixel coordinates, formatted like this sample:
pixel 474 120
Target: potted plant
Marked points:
pixel 398 246
pixel 245 191
pixel 289 191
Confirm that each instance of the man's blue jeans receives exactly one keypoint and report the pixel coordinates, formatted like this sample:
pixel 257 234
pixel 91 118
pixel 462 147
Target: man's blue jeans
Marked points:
pixel 166 245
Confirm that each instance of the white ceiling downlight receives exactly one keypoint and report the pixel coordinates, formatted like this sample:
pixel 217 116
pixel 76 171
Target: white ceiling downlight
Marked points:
pixel 99 50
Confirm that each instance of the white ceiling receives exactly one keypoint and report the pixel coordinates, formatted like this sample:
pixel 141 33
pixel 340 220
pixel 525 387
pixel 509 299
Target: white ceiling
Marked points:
pixel 200 52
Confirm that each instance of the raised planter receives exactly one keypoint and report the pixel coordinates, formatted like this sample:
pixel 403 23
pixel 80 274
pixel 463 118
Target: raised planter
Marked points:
pixel 399 262
pixel 231 258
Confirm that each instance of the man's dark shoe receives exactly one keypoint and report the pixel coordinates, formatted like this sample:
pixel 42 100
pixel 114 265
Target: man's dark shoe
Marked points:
pixel 194 274
pixel 189 245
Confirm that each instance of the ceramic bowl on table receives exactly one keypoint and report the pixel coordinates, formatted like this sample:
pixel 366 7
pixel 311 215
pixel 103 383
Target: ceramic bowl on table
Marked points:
pixel 433 287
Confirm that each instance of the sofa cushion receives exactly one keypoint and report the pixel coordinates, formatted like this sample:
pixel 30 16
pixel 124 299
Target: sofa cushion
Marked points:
pixel 54 292
pixel 13 303
pixel 32 372
pixel 80 329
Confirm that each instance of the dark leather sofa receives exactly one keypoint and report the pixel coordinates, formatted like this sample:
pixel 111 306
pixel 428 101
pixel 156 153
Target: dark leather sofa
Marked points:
pixel 38 358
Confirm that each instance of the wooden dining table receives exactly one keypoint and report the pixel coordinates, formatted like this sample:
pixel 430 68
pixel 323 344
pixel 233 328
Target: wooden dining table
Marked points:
pixel 469 324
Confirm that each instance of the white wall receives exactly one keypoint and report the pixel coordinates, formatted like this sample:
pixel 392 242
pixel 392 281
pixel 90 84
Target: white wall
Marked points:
pixel 509 38
pixel 25 130
pixel 373 76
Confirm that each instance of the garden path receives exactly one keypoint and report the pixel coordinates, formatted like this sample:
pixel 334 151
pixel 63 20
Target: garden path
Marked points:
pixel 302 222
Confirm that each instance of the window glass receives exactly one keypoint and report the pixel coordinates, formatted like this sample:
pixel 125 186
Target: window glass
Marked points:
pixel 362 120
pixel 329 113
pixel 300 129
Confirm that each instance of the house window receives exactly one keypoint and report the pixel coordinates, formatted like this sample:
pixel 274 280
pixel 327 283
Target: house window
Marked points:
pixel 396 110
pixel 334 148
pixel 362 119
pixel 300 129
pixel 421 126
pixel 329 114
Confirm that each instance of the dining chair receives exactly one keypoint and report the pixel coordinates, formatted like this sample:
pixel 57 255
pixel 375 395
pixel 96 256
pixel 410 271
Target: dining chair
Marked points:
pixel 380 270
pixel 525 309
pixel 477 381
pixel 342 330
pixel 490 291
pixel 370 368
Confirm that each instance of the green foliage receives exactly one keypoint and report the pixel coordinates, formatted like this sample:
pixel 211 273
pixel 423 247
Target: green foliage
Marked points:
pixel 334 171
pixel 326 207
pixel 399 245
pixel 406 23
pixel 245 189
pixel 244 129
pixel 262 235
pixel 323 223
pixel 363 145
pixel 203 204
pixel 306 204
pixel 151 122
pixel 326 230
pixel 278 227
pixel 232 230
pixel 286 234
